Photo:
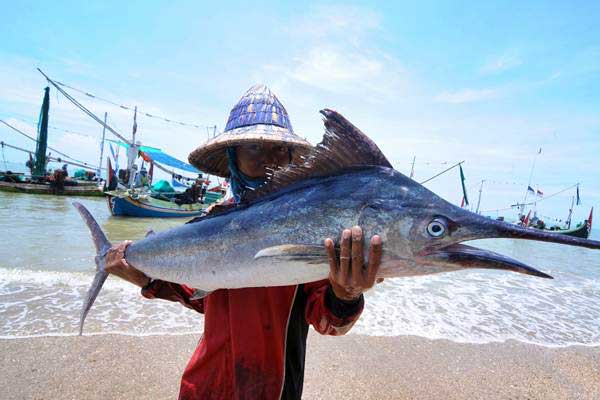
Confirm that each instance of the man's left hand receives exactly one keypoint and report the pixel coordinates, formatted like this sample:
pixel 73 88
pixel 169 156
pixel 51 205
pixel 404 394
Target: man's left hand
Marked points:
pixel 349 277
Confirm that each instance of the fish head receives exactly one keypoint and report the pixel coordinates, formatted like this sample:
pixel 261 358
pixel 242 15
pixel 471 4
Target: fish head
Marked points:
pixel 424 234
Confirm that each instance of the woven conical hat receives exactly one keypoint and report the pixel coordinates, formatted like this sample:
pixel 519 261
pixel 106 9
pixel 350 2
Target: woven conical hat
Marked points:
pixel 259 117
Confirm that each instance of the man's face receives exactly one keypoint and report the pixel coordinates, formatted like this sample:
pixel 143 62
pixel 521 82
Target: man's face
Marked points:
pixel 253 159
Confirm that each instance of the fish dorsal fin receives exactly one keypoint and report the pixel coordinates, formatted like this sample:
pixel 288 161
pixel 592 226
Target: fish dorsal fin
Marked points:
pixel 343 147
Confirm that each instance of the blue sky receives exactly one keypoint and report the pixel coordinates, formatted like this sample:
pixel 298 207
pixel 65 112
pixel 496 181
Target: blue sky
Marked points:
pixel 485 83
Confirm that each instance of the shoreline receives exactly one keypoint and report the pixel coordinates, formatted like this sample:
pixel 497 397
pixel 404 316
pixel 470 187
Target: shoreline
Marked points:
pixel 417 337
pixel 349 367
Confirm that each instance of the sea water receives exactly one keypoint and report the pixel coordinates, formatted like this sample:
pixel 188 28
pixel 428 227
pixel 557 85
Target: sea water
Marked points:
pixel 46 267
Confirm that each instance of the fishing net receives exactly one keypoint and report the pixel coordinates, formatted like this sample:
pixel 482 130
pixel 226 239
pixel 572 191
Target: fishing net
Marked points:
pixel 162 186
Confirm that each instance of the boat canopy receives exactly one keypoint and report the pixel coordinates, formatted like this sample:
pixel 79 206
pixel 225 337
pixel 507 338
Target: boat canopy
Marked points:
pixel 161 157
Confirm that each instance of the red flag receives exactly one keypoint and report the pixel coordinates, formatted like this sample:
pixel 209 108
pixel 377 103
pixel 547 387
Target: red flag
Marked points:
pixel 145 156
pixel 589 221
pixel 462 202
pixel 526 220
pixel 110 183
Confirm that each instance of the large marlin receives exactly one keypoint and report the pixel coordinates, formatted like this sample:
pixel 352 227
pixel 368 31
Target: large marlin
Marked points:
pixel 276 238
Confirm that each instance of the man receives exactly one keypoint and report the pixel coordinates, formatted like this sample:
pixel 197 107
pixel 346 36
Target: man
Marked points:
pixel 255 338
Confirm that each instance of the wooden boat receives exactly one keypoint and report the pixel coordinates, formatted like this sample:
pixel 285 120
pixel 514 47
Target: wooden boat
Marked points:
pixel 40 181
pixel 582 230
pixel 133 205
pixel 47 188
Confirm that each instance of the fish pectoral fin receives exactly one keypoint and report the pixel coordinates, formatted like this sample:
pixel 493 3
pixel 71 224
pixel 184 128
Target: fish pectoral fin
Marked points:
pixel 294 252
pixel 200 294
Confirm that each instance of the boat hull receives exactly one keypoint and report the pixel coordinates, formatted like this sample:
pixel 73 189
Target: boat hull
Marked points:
pixel 42 188
pixel 581 231
pixel 130 207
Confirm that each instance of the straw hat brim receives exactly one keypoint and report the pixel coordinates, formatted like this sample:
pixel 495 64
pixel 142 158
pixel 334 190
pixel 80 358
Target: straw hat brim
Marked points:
pixel 211 157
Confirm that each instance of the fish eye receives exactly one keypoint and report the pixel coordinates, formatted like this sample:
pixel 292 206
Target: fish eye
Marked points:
pixel 437 228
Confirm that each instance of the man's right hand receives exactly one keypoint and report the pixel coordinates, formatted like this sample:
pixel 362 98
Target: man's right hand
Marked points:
pixel 117 265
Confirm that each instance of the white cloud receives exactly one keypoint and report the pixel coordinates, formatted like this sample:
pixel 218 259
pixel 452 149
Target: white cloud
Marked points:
pixel 334 52
pixel 329 69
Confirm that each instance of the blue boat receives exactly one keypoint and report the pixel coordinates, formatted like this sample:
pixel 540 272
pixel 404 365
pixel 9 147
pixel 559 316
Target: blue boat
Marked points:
pixel 146 202
pixel 148 207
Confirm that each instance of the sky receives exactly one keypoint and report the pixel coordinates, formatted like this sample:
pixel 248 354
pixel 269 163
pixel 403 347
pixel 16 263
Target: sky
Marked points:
pixel 486 83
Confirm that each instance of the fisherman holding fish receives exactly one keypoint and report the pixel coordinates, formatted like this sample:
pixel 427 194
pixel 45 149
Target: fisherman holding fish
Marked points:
pixel 254 340
pixel 259 272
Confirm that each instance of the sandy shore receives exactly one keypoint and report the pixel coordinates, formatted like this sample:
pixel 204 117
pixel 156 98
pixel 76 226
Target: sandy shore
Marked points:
pixel 351 367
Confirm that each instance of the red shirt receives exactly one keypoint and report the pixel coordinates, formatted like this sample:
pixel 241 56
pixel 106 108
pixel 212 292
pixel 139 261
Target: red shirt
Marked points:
pixel 254 339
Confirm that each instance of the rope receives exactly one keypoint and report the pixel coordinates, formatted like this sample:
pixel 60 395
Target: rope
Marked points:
pixel 35 140
pixel 443 172
pixel 533 202
pixel 54 159
pixel 57 129
pixel 130 108
pixel 85 110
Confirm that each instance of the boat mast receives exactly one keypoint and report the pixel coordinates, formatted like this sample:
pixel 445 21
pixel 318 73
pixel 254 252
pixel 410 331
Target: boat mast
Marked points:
pixel 529 183
pixel 39 170
pixel 102 148
pixel 132 152
pixel 479 198
pixel 570 212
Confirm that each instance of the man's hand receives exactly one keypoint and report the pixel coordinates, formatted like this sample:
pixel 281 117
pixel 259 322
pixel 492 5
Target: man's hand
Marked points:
pixel 117 265
pixel 350 277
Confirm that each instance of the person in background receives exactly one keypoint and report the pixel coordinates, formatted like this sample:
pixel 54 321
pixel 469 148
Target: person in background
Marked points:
pixel 254 341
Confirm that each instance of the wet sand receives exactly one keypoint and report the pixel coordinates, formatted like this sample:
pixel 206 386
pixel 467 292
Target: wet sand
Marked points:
pixel 350 367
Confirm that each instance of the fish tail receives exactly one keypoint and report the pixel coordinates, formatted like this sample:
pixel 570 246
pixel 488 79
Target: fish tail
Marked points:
pixel 102 245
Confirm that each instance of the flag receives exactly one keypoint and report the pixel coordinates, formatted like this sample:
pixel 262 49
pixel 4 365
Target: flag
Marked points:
pixel 526 220
pixel 530 189
pixel 462 203
pixel 589 221
pixel 578 198
pixel 462 182
pixel 115 155
pixel 111 179
pixel 540 193
pixel 145 157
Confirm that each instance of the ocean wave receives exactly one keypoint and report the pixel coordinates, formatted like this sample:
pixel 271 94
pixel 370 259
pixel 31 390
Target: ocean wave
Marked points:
pixel 466 307
pixel 484 307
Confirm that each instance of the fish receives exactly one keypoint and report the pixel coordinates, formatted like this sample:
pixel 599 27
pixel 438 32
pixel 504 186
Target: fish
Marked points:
pixel 276 237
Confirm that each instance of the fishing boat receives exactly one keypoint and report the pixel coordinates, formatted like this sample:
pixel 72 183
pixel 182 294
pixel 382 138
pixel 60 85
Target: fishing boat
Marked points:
pixel 159 200
pixel 49 188
pixel 132 204
pixel 581 230
pixel 40 181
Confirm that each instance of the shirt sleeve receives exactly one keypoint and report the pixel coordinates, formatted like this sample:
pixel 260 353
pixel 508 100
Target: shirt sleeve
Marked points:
pixel 328 314
pixel 158 289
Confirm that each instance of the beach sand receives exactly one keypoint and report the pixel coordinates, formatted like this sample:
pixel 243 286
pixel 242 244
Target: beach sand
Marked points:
pixel 350 367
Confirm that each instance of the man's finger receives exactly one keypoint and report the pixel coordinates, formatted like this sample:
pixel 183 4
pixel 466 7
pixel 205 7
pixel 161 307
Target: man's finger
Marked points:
pixel 375 252
pixel 332 257
pixel 357 255
pixel 344 274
